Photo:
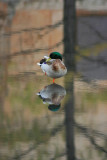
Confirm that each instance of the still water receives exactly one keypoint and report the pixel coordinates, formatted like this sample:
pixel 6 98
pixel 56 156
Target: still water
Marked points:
pixel 40 120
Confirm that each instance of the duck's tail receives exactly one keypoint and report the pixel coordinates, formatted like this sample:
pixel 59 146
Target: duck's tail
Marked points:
pixel 38 93
pixel 38 64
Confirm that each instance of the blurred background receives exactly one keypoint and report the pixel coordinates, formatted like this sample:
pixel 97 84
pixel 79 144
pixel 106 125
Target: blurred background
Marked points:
pixel 31 128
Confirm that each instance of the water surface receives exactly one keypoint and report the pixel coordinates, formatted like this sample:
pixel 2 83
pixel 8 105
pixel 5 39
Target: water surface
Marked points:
pixel 66 120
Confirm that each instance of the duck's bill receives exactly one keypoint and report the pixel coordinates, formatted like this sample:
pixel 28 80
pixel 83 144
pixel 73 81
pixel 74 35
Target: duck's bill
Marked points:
pixel 48 59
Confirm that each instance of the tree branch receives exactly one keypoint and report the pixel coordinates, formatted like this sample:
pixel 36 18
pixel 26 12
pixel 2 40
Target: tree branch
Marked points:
pixel 87 132
pixel 31 51
pixel 34 29
pixel 95 30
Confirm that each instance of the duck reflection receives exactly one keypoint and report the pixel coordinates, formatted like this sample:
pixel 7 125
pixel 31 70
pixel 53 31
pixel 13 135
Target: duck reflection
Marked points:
pixel 52 95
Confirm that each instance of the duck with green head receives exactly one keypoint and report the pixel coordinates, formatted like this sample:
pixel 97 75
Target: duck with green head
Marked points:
pixel 53 65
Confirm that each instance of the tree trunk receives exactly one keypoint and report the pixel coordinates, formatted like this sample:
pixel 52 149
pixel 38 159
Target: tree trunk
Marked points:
pixel 69 56
pixel 69 120
pixel 69 33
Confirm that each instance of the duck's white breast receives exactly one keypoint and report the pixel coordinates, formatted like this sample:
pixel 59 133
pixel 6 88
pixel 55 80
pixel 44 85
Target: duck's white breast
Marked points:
pixel 53 73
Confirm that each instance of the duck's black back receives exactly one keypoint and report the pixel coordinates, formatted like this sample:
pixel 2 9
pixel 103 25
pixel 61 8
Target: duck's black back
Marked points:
pixel 42 61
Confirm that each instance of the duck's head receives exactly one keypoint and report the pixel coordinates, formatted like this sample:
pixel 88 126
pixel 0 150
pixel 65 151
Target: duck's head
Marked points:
pixel 54 107
pixel 55 55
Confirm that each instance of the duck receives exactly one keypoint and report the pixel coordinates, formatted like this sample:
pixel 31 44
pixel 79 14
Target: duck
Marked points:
pixel 53 66
pixel 52 95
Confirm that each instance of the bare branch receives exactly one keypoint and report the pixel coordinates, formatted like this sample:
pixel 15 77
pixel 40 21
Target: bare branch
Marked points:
pixel 59 156
pixel 97 60
pixel 31 51
pixel 86 132
pixel 53 132
pixel 93 131
pixel 95 30
pixel 31 148
pixel 33 29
